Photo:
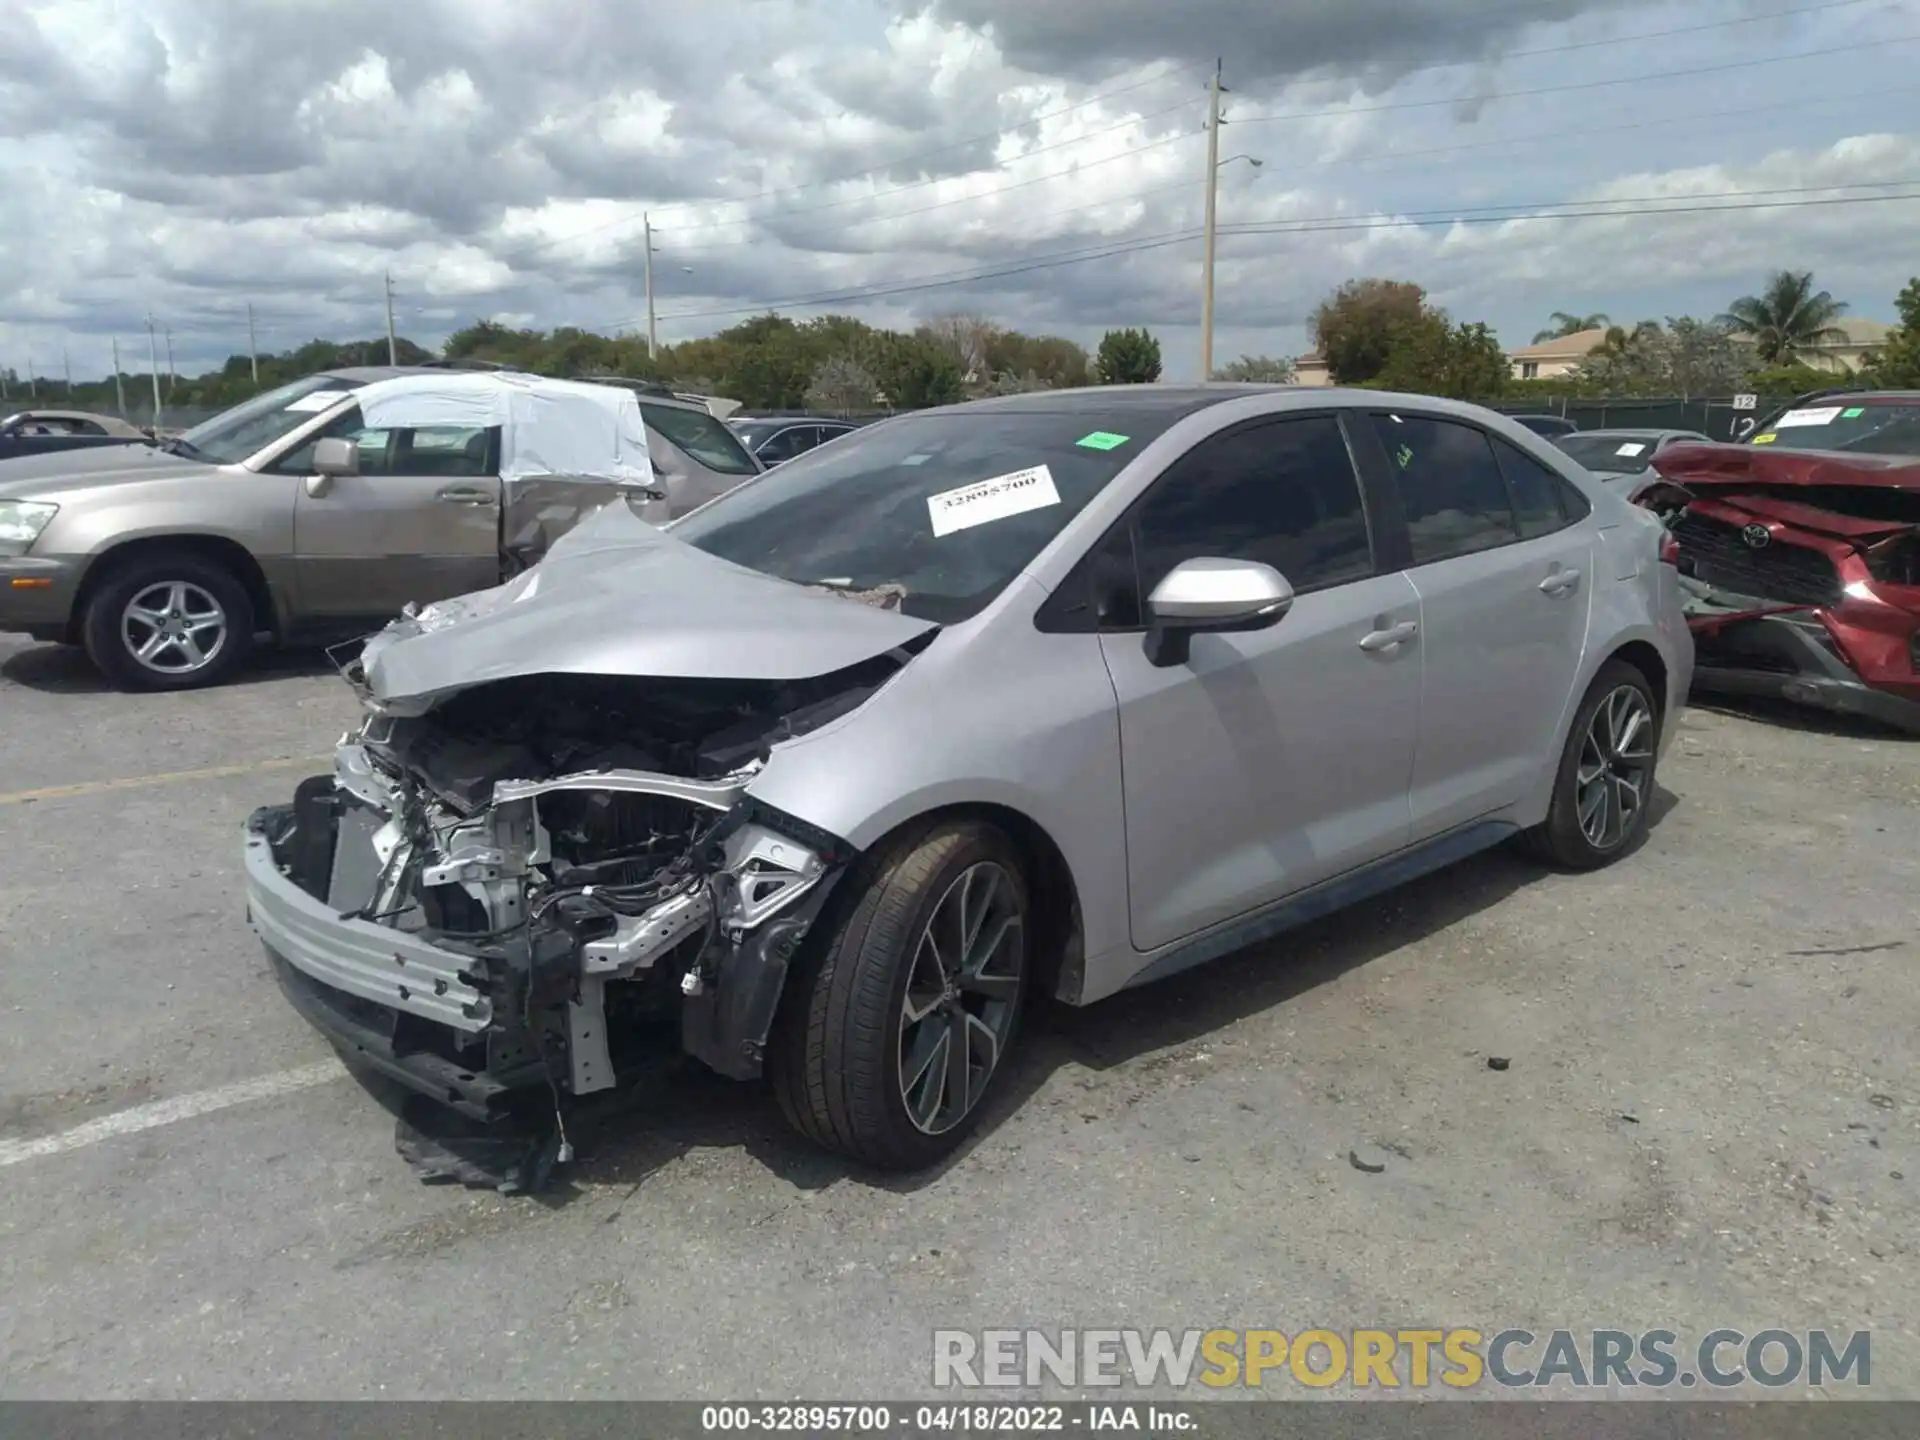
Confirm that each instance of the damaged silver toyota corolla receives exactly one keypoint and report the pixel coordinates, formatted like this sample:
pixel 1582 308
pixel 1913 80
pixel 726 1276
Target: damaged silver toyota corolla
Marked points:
pixel 1054 693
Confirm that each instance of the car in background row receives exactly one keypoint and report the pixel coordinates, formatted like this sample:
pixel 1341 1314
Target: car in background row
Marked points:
pixel 1047 695
pixel 1800 552
pixel 1623 459
pixel 38 432
pixel 774 440
pixel 1551 426
pixel 290 516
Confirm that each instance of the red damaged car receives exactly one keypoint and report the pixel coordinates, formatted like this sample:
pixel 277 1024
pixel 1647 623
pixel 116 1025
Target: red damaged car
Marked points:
pixel 1800 553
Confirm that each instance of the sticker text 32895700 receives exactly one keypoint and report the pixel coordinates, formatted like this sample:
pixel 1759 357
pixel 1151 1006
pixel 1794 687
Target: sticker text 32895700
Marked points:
pixel 997 498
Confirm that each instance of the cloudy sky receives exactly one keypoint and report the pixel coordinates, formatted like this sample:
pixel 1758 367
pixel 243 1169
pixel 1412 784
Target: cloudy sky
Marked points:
pixel 1042 161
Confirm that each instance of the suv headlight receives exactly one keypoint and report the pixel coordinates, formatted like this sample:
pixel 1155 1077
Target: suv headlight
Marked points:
pixel 21 522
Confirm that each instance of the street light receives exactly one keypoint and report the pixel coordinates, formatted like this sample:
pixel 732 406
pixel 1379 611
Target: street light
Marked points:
pixel 1214 165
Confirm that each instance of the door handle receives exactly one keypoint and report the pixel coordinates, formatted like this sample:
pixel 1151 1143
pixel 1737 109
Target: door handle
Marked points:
pixel 1560 582
pixel 1393 635
pixel 465 495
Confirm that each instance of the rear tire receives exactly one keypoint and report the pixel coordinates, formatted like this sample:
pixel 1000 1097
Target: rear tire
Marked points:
pixel 1603 788
pixel 889 1043
pixel 168 620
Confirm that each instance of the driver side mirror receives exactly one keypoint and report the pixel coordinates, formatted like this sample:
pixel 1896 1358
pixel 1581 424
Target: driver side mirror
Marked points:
pixel 1210 595
pixel 332 458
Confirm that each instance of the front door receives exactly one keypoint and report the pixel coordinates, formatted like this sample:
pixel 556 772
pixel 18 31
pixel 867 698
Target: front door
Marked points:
pixel 1275 759
pixel 1504 571
pixel 420 522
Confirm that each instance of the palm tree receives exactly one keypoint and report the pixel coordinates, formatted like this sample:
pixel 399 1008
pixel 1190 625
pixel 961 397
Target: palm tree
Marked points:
pixel 1786 317
pixel 1621 342
pixel 1565 325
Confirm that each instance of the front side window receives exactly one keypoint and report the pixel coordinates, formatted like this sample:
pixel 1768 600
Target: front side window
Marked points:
pixel 246 429
pixel 1451 490
pixel 425 450
pixel 1283 493
pixel 948 507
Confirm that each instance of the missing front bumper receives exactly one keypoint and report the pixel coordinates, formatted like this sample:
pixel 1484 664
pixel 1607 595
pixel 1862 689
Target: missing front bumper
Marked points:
pixel 1790 657
pixel 483 1024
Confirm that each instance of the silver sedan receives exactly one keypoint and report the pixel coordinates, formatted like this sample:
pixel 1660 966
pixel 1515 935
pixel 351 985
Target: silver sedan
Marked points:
pixel 1057 693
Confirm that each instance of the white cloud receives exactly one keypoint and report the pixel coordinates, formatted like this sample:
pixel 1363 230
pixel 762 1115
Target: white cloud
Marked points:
pixel 498 157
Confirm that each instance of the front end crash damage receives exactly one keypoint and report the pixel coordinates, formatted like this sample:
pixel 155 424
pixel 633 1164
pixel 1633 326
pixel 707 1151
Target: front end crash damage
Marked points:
pixel 540 887
pixel 1802 572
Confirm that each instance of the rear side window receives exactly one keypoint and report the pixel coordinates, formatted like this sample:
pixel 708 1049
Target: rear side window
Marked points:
pixel 701 436
pixel 1542 501
pixel 1451 489
pixel 1283 493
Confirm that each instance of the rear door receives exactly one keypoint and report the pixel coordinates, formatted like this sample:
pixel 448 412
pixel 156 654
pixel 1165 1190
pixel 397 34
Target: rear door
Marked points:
pixel 1274 759
pixel 1504 571
pixel 421 521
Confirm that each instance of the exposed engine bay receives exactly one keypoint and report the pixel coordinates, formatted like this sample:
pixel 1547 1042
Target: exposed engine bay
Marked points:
pixel 566 865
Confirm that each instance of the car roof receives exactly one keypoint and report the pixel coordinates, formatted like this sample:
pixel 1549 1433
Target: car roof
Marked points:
pixel 367 374
pixel 1653 432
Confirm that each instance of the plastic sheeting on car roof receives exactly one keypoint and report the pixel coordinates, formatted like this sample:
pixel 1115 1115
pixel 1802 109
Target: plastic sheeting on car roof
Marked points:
pixel 547 427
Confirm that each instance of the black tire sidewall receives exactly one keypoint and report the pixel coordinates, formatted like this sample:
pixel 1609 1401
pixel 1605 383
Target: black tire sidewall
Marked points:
pixel 1566 841
pixel 980 843
pixel 101 624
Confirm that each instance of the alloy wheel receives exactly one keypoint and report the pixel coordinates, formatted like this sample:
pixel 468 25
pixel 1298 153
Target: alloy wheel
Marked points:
pixel 1616 768
pixel 174 627
pixel 963 989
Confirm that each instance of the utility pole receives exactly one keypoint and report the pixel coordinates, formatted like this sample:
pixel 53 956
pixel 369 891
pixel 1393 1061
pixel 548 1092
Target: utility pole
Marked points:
pixel 253 351
pixel 393 349
pixel 119 385
pixel 1213 188
pixel 172 376
pixel 66 364
pixel 33 388
pixel 153 369
pixel 653 334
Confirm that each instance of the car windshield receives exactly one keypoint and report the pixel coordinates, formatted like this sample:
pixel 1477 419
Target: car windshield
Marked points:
pixel 1864 429
pixel 948 505
pixel 1609 454
pixel 233 435
pixel 701 436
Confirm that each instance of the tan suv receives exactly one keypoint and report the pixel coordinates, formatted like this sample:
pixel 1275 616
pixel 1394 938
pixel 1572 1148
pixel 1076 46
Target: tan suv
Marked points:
pixel 169 561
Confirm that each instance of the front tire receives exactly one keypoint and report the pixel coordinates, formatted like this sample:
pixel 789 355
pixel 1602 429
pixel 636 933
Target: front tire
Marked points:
pixel 891 1039
pixel 169 620
pixel 1603 788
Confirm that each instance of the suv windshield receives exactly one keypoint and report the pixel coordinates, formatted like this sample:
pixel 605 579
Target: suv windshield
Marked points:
pixel 1609 454
pixel 948 505
pixel 233 435
pixel 1865 429
pixel 701 436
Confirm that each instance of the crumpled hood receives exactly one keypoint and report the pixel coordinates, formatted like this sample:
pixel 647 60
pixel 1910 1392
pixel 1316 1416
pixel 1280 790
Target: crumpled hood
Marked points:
pixel 1700 462
pixel 616 596
pixel 46 476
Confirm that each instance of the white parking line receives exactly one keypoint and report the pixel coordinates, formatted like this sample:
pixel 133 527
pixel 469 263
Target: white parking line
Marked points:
pixel 167 1112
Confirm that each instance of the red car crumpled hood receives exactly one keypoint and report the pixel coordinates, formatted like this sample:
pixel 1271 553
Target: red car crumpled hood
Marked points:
pixel 1788 486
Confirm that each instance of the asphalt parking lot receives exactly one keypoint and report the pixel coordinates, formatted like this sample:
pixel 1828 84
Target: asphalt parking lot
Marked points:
pixel 1709 1117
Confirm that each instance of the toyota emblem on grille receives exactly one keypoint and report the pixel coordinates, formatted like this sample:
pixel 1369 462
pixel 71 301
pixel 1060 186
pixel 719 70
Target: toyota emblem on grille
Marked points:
pixel 1757 536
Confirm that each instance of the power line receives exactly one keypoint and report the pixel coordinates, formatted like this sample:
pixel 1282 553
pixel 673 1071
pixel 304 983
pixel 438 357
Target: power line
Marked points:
pixel 1175 139
pixel 1582 84
pixel 1344 163
pixel 1574 46
pixel 1317 225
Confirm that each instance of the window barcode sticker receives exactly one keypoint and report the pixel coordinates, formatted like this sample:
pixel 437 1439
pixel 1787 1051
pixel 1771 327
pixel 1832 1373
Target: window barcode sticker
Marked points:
pixel 985 501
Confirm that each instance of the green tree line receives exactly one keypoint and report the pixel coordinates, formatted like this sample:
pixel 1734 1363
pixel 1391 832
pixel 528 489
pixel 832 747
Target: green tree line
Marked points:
pixel 1373 332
